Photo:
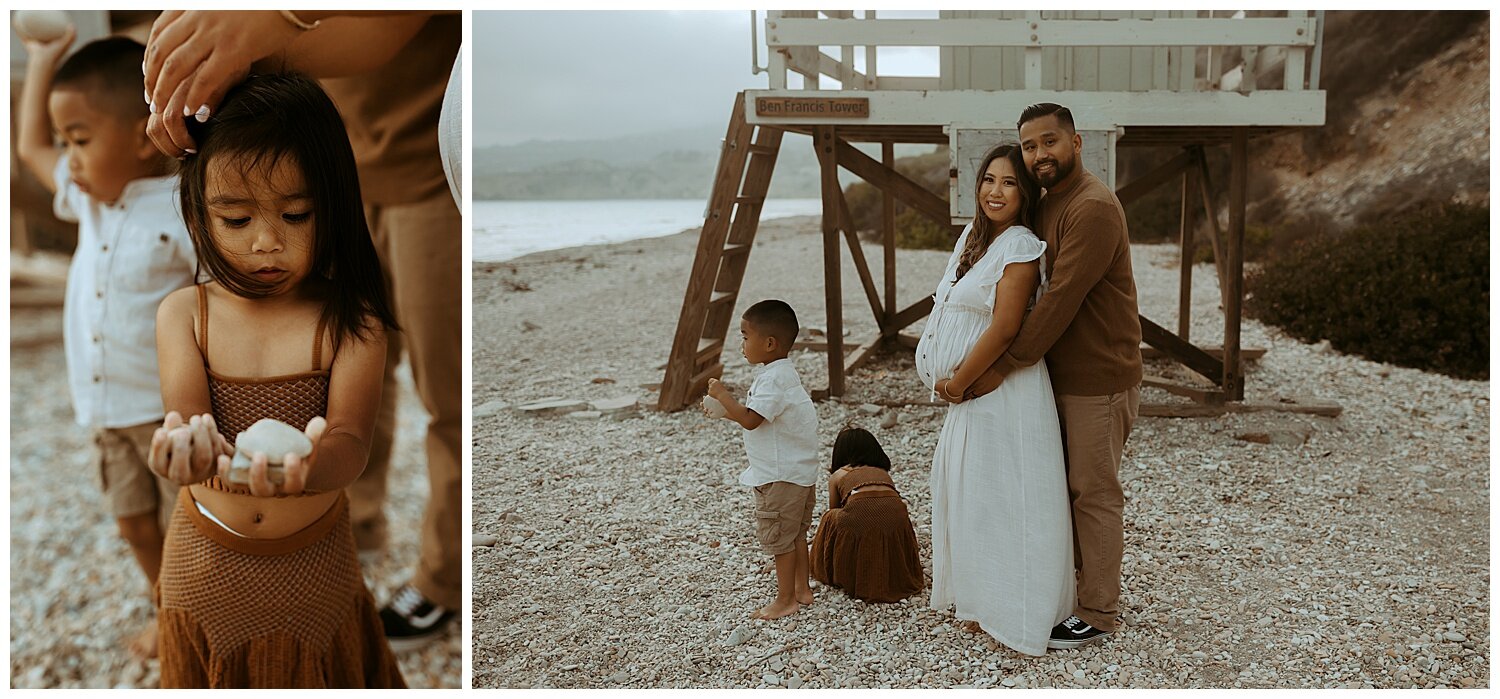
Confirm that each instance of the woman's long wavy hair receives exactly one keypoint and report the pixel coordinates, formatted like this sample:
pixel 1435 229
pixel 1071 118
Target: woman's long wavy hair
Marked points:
pixel 983 231
pixel 261 121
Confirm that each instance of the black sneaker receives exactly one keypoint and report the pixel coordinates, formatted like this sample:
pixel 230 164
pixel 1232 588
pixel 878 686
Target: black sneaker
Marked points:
pixel 411 620
pixel 1072 633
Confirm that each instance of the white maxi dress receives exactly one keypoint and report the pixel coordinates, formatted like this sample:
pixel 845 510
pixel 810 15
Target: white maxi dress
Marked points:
pixel 1002 544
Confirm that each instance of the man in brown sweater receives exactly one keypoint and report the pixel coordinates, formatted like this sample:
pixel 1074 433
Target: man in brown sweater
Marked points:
pixel 1086 325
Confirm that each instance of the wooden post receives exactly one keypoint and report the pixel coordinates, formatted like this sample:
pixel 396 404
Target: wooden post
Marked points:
pixel 1185 234
pixel 823 141
pixel 888 229
pixel 1234 380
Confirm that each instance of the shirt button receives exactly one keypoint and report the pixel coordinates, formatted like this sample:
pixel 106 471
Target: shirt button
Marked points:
pixel 97 339
pixel 104 247
pixel 99 293
pixel 96 378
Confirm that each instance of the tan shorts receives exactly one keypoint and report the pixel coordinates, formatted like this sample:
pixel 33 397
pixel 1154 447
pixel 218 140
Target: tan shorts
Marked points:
pixel 128 483
pixel 783 513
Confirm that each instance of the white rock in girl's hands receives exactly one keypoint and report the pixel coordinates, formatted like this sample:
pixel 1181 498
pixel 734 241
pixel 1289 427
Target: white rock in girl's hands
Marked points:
pixel 275 439
pixel 714 408
pixel 41 25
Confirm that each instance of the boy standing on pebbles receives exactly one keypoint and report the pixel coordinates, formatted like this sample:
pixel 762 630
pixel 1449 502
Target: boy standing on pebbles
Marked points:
pixel 133 250
pixel 781 440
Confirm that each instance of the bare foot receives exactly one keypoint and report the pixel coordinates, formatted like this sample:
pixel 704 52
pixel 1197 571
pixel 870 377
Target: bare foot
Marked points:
pixel 144 644
pixel 776 610
pixel 805 596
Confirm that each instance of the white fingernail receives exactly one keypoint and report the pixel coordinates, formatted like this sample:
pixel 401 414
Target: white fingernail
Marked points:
pixel 190 151
pixel 153 107
pixel 201 115
pixel 148 96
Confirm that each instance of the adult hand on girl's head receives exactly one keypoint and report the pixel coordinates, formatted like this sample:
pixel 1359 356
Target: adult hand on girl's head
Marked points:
pixel 194 57
pixel 184 452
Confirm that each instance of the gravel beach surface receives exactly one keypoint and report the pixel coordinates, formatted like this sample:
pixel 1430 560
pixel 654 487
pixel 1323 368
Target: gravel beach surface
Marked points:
pixel 1346 552
pixel 77 597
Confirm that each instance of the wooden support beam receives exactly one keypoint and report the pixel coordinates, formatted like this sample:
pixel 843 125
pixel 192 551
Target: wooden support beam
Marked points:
pixel 863 353
pixel 910 314
pixel 857 253
pixel 1212 213
pixel 1302 407
pixel 1158 176
pixel 1211 396
pixel 888 232
pixel 1181 350
pixel 1247 354
pixel 1185 239
pixel 1239 156
pixel 888 179
pixel 826 144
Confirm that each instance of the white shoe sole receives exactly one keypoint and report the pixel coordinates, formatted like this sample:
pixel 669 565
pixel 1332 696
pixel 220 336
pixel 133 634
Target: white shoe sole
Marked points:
pixel 1055 644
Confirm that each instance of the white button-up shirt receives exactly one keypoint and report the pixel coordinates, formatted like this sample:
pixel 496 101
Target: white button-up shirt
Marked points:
pixel 785 446
pixel 130 255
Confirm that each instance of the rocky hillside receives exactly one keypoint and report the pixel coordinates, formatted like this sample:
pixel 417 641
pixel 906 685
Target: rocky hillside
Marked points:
pixel 1408 122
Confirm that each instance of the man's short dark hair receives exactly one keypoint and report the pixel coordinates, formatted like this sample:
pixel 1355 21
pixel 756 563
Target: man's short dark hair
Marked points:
pixel 108 72
pixel 776 319
pixel 1037 111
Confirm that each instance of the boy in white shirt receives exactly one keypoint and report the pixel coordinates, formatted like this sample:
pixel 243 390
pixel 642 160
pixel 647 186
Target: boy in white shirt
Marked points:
pixel 133 250
pixel 781 440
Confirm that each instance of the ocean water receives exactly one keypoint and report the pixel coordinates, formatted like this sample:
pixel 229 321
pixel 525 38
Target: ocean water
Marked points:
pixel 505 230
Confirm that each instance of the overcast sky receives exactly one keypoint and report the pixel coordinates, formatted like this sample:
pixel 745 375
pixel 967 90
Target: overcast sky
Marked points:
pixel 595 74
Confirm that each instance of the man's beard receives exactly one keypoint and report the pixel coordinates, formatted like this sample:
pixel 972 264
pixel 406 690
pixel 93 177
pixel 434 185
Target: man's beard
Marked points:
pixel 1060 170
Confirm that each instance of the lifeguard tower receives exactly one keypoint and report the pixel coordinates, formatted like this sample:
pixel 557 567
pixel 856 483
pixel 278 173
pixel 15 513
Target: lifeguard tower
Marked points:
pixel 1186 80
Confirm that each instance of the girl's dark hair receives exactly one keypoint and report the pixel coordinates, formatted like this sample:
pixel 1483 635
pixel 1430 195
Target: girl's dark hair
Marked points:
pixel 855 446
pixel 983 231
pixel 261 121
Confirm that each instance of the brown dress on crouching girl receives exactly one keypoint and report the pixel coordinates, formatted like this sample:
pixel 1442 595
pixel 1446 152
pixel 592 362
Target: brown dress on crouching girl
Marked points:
pixel 288 612
pixel 865 543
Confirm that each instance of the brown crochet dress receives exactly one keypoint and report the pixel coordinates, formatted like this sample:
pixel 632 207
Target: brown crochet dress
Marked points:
pixel 288 612
pixel 865 542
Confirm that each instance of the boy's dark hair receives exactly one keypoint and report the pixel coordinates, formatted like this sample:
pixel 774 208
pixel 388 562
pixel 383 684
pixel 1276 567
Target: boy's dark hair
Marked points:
pixel 108 71
pixel 855 446
pixel 261 121
pixel 1037 111
pixel 774 318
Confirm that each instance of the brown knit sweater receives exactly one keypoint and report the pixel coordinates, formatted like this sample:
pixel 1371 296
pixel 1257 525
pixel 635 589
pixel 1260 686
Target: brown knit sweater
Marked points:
pixel 1086 324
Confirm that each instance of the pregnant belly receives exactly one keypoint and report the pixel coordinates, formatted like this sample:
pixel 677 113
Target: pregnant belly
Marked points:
pixel 939 355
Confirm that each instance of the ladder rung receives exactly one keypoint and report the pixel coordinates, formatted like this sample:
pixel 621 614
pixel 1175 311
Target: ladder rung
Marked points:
pixel 736 249
pixel 719 297
pixel 763 150
pixel 749 200
pixel 708 349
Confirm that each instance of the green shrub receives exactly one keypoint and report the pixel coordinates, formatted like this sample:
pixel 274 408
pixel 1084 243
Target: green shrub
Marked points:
pixel 1413 290
pixel 915 231
pixel 1260 244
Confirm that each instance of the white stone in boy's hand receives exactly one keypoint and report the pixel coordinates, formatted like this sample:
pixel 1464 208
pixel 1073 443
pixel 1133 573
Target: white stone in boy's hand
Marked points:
pixel 713 408
pixel 41 25
pixel 273 438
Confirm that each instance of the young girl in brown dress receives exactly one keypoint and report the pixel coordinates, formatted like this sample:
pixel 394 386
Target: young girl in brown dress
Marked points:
pixel 865 542
pixel 260 585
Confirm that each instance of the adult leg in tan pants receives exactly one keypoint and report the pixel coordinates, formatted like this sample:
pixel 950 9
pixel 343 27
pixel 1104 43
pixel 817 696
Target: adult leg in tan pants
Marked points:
pixel 1094 430
pixel 421 252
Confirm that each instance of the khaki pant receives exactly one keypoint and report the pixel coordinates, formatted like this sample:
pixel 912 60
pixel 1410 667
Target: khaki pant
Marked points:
pixel 1094 430
pixel 125 478
pixel 421 251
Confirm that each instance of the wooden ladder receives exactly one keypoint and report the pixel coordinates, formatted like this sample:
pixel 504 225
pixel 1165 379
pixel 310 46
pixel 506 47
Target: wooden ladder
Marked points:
pixel 729 225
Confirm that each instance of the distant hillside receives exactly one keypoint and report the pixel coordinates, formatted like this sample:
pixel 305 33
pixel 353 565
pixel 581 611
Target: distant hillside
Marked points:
pixel 661 165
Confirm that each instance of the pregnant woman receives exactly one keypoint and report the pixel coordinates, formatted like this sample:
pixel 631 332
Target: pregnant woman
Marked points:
pixel 1001 533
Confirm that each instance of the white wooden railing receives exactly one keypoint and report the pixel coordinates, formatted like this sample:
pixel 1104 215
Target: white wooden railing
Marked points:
pixel 793 39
